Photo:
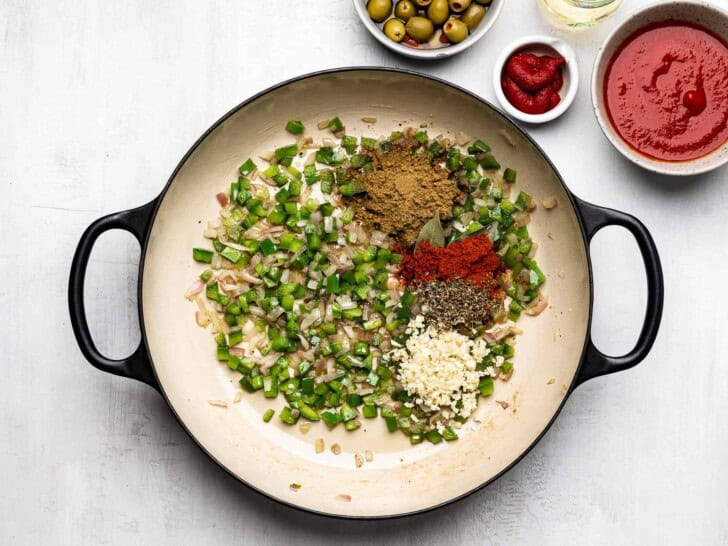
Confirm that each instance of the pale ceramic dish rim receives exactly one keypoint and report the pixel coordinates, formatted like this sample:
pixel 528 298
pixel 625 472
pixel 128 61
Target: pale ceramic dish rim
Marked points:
pixel 571 69
pixel 633 23
pixel 140 222
pixel 441 53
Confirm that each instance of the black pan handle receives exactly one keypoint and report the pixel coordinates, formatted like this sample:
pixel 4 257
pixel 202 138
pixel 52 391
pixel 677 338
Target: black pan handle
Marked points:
pixel 137 365
pixel 595 362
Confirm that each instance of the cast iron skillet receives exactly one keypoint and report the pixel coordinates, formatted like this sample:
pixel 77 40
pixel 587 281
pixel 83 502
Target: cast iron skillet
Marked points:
pixel 554 355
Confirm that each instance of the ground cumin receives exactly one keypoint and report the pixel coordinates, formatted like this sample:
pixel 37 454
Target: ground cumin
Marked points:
pixel 403 192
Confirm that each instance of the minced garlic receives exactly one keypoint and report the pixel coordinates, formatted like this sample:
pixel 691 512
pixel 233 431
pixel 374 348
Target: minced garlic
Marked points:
pixel 440 367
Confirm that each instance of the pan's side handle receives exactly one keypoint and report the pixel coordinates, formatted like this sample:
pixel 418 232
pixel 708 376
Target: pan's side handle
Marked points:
pixel 137 365
pixel 595 362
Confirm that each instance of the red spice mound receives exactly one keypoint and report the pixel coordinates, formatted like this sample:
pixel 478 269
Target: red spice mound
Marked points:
pixel 472 259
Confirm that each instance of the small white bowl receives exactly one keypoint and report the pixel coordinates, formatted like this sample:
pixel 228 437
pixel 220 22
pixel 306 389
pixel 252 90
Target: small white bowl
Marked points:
pixel 701 13
pixel 539 45
pixel 440 53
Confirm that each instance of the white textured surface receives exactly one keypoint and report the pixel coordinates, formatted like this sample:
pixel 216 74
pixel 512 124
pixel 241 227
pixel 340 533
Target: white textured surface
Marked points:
pixel 98 101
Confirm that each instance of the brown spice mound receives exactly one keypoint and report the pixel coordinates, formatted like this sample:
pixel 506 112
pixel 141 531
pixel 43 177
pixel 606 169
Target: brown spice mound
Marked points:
pixel 403 192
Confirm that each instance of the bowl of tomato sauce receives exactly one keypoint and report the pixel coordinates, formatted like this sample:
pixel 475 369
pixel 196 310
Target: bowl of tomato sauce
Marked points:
pixel 660 87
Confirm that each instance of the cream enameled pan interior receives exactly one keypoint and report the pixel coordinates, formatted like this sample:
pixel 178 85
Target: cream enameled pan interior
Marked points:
pixel 401 478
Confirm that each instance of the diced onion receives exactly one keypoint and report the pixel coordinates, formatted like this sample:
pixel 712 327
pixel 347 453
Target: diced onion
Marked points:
pixel 257 311
pixel 379 238
pixel 522 218
pixel 328 224
pixel 328 377
pixel 461 139
pixel 538 307
pixel 235 245
pixel 195 288
pixel 202 319
pixel 312 318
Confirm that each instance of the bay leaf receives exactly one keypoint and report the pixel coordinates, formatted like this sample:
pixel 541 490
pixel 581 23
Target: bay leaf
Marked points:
pixel 432 232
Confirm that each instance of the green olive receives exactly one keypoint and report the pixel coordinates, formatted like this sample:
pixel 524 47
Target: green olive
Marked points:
pixel 459 6
pixel 455 30
pixel 394 29
pixel 484 2
pixel 420 28
pixel 473 16
pixel 438 12
pixel 423 3
pixel 405 9
pixel 379 10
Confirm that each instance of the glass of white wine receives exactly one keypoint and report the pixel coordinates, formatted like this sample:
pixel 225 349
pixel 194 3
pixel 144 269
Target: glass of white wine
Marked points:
pixel 580 13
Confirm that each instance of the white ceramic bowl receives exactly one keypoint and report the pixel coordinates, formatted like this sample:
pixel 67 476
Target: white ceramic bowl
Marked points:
pixel 702 13
pixel 376 30
pixel 539 45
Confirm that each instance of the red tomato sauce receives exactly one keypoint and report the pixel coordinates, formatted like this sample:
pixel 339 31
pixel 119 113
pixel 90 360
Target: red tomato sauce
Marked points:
pixel 666 91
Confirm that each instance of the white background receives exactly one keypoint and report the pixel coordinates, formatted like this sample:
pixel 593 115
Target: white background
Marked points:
pixel 98 102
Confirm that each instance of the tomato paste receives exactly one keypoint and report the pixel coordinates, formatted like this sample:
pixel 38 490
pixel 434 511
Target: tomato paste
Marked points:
pixel 531 82
pixel 666 91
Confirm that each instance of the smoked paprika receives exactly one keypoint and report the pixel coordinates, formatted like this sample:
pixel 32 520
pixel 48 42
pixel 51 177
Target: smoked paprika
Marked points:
pixel 473 260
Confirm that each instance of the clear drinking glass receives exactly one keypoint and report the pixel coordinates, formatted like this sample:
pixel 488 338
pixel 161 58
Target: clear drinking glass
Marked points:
pixel 580 13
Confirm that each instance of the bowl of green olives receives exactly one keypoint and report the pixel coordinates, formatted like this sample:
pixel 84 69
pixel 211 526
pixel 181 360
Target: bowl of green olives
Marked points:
pixel 428 29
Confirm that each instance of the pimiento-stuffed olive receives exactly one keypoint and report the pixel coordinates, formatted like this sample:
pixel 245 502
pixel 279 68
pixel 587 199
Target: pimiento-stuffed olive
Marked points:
pixel 394 30
pixel 459 6
pixel 379 10
pixel 473 16
pixel 404 10
pixel 438 12
pixel 420 28
pixel 455 30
